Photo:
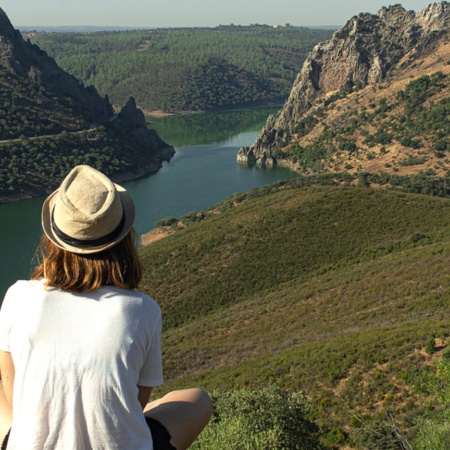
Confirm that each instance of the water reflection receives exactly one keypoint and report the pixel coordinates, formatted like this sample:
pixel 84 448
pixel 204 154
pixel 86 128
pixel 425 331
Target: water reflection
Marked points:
pixel 207 128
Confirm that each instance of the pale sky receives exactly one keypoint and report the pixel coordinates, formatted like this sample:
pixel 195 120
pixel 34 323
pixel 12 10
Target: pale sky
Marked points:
pixel 186 13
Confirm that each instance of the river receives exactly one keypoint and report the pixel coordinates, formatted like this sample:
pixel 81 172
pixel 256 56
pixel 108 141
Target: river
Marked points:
pixel 203 172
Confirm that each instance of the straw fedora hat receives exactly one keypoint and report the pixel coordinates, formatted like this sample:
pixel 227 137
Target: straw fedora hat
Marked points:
pixel 88 213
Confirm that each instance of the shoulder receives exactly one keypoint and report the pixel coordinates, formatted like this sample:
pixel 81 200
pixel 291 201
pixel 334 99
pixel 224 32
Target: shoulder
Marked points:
pixel 21 286
pixel 131 297
pixel 19 296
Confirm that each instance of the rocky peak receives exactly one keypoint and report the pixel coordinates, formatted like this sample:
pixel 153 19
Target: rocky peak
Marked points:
pixel 131 114
pixel 395 14
pixel 363 52
pixel 6 28
pixel 435 16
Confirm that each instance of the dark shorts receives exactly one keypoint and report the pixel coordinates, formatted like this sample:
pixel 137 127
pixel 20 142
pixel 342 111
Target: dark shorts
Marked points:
pixel 160 434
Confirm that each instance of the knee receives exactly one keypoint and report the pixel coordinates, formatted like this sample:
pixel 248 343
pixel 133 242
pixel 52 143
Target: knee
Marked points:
pixel 204 402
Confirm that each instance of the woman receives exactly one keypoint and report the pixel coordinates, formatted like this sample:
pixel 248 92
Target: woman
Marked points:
pixel 79 346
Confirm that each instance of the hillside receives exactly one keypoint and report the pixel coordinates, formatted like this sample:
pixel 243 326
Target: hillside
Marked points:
pixel 187 68
pixel 49 122
pixel 372 100
pixel 333 291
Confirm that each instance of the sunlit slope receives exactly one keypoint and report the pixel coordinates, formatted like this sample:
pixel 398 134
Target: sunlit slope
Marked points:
pixel 333 291
pixel 281 237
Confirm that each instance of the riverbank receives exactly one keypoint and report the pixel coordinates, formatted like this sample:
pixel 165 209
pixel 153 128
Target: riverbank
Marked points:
pixel 156 234
pixel 139 172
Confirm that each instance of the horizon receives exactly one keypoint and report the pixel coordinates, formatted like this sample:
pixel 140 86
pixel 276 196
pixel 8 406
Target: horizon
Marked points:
pixel 192 14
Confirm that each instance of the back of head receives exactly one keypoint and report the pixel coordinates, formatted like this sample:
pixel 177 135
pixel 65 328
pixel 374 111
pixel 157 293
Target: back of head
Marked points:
pixel 88 239
pixel 88 213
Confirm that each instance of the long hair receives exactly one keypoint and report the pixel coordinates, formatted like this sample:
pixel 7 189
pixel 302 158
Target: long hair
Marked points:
pixel 117 266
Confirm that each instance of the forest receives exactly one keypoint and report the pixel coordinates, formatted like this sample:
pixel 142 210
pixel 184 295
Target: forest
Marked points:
pixel 187 69
pixel 27 164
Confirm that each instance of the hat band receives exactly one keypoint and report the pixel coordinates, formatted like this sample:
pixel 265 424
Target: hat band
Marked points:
pixel 83 243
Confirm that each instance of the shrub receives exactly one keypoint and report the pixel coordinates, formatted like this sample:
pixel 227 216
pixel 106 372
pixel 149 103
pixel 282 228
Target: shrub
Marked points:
pixel 433 435
pixel 433 431
pixel 166 222
pixel 265 418
pixel 430 346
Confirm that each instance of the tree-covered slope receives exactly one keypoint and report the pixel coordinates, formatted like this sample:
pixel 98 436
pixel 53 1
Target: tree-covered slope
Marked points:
pixel 332 291
pixel 187 68
pixel 49 121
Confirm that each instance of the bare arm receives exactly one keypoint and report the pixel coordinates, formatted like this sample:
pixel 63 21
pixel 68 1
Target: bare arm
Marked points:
pixel 144 394
pixel 7 372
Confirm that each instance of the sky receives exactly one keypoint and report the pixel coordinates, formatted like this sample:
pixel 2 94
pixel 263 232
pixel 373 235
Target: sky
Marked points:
pixel 191 13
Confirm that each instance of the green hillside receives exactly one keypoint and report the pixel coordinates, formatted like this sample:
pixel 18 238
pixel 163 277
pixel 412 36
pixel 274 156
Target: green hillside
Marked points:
pixel 339 292
pixel 187 68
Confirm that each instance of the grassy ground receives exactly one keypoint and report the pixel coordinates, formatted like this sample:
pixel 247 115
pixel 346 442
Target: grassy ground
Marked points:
pixel 333 291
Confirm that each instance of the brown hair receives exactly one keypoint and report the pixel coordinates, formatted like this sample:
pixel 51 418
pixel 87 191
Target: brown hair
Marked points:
pixel 117 266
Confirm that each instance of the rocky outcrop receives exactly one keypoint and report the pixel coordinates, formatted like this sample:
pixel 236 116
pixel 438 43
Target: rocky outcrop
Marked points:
pixel 363 52
pixel 131 121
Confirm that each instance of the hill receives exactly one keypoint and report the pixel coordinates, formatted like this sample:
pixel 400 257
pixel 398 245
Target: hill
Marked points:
pixel 49 122
pixel 332 291
pixel 372 100
pixel 187 69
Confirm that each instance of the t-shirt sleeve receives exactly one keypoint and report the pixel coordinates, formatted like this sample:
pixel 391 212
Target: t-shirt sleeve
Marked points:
pixel 151 373
pixel 6 319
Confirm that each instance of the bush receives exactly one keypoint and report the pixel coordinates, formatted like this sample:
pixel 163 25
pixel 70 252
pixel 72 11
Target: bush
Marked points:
pixel 166 222
pixel 433 429
pixel 265 418
pixel 430 346
pixel 433 435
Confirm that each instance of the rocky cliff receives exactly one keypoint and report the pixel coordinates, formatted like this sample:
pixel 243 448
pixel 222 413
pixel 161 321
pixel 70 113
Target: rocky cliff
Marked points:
pixel 365 51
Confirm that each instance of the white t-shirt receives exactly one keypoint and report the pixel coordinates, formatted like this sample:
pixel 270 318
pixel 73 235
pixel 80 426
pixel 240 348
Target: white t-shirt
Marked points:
pixel 78 360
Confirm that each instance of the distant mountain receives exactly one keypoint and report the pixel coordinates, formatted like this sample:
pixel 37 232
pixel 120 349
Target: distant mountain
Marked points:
pixel 49 121
pixel 375 99
pixel 78 28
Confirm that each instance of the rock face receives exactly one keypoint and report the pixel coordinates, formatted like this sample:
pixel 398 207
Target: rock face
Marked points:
pixel 363 52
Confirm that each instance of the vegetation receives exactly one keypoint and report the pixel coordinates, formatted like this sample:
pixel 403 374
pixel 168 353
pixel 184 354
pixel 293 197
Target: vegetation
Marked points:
pixel 187 68
pixel 335 292
pixel 433 428
pixel 407 129
pixel 259 418
pixel 26 165
pixel 28 109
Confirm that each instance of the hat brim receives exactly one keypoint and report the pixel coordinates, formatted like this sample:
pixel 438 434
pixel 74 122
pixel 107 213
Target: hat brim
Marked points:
pixel 128 208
